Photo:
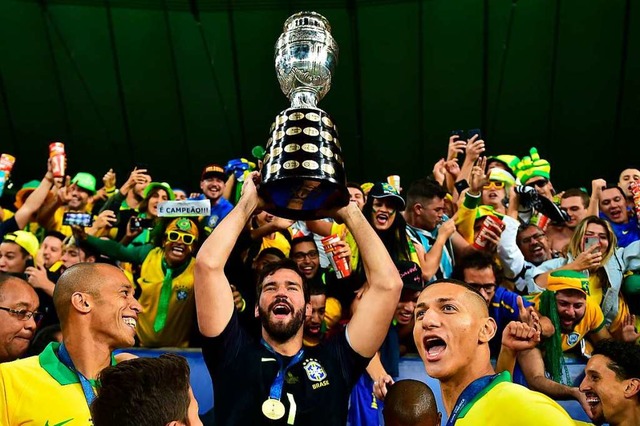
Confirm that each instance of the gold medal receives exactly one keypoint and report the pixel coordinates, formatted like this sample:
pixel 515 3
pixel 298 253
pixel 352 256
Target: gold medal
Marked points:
pixel 273 409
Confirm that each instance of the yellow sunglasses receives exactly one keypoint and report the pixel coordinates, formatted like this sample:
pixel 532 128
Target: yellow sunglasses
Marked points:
pixel 494 184
pixel 175 236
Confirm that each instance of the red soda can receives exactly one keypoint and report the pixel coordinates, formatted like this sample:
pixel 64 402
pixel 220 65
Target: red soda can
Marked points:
pixel 6 162
pixel 339 264
pixel 543 222
pixel 494 223
pixel 57 156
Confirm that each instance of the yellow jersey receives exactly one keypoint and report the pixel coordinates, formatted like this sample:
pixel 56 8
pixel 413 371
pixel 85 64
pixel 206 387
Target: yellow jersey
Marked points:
pixel 505 403
pixel 592 322
pixel 181 311
pixel 41 390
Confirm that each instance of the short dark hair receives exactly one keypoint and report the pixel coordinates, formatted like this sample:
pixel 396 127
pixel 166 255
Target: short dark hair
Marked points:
pixel 304 239
pixel 624 356
pixel 477 260
pixel 577 192
pixel 272 268
pixel 143 391
pixel 425 188
pixel 460 283
pixel 615 187
pixel 317 289
pixel 56 234
pixel 357 186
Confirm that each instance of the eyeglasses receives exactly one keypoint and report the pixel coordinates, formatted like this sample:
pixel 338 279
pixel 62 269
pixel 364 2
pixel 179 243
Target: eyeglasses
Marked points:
pixel 24 315
pixel 175 236
pixel 534 237
pixel 494 184
pixel 539 183
pixel 486 287
pixel 312 255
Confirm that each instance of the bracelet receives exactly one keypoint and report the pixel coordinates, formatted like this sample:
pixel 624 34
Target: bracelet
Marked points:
pixel 461 185
pixel 244 305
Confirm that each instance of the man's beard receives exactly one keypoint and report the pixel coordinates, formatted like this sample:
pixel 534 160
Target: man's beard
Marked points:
pixel 281 332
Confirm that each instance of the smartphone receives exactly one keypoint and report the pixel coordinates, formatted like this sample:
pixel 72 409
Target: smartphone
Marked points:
pixel 29 263
pixel 458 133
pixel 591 241
pixel 79 219
pixel 138 223
pixel 472 132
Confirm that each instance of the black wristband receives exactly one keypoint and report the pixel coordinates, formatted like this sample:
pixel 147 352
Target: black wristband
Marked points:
pixel 461 185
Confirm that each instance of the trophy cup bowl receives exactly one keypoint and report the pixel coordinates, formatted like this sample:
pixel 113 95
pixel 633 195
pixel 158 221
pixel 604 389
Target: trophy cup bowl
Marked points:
pixel 303 171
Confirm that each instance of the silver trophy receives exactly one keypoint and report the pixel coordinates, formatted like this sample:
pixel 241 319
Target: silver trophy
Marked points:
pixel 303 171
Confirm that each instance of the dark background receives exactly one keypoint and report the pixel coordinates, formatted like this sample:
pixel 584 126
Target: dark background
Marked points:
pixel 140 81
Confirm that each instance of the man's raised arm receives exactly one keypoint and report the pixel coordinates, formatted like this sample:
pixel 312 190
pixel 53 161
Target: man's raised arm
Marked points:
pixel 369 325
pixel 214 298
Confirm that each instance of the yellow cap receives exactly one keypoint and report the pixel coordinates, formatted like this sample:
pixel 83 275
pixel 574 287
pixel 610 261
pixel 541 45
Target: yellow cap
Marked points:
pixel 24 239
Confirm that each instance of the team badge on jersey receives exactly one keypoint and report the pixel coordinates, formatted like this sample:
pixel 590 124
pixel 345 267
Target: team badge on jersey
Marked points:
pixel 572 339
pixel 314 370
pixel 182 294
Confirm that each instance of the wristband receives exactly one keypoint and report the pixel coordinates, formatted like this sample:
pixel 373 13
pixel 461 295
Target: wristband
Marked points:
pixel 461 185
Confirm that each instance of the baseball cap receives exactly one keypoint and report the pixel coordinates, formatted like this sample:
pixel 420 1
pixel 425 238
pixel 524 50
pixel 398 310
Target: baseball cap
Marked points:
pixel 160 185
pixel 384 190
pixel 411 275
pixel 24 239
pixel 214 170
pixel 24 192
pixel 508 161
pixel 568 280
pixel 85 181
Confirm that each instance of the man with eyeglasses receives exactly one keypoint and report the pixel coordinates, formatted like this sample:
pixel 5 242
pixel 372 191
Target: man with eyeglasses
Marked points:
pixel 165 283
pixel 306 255
pixel 18 317
pixel 520 250
pixel 479 270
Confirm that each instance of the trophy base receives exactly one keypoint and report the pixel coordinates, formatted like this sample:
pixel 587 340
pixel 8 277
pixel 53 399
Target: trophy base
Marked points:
pixel 300 198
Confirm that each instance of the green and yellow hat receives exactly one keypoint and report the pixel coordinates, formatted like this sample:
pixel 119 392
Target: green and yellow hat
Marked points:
pixel 568 280
pixel 509 161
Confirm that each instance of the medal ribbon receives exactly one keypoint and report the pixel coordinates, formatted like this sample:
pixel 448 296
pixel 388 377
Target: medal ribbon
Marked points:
pixel 87 388
pixel 468 394
pixel 276 388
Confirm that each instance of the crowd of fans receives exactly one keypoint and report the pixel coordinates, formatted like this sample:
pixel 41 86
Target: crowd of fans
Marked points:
pixel 557 268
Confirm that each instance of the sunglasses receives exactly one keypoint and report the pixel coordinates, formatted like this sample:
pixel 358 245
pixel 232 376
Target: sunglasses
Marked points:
pixel 494 184
pixel 539 183
pixel 175 236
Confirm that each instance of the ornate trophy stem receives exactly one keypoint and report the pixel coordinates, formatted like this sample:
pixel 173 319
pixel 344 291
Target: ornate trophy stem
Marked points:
pixel 303 171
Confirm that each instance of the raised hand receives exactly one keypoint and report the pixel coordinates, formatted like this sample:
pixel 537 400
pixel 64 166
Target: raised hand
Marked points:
pixel 456 146
pixel 380 386
pixel 629 332
pixel 588 259
pixel 519 336
pixel 109 179
pixel 474 149
pixel 478 176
